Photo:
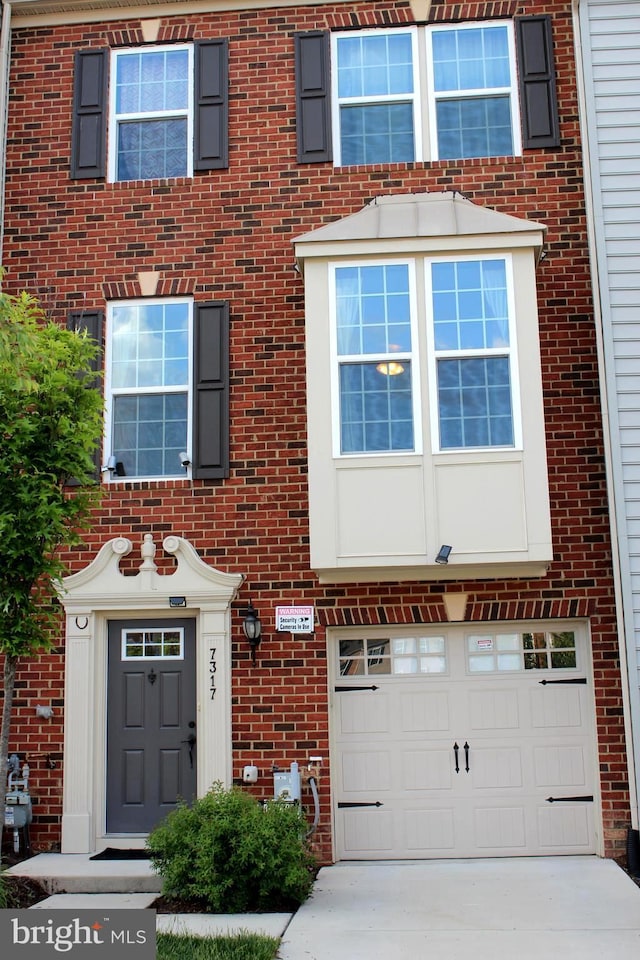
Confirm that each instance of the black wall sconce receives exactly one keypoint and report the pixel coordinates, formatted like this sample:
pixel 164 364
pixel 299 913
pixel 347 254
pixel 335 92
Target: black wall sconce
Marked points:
pixel 443 554
pixel 252 629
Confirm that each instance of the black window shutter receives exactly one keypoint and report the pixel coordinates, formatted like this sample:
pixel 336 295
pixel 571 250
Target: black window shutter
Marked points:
pixel 91 321
pixel 88 137
pixel 211 105
pixel 538 100
pixel 313 96
pixel 211 391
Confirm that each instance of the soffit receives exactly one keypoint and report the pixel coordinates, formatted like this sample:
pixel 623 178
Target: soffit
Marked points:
pixel 31 13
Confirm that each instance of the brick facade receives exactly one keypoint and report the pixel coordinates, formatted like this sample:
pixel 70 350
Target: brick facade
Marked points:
pixel 227 234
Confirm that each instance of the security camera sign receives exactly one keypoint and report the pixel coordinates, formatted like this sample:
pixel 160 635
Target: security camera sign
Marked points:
pixel 294 619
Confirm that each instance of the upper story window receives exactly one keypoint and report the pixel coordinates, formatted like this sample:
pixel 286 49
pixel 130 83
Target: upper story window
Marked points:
pixel 149 382
pixel 473 105
pixel 467 89
pixel 167 108
pixel 376 97
pixel 151 123
pixel 442 92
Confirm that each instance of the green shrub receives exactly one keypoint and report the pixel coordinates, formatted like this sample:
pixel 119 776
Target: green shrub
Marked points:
pixel 230 854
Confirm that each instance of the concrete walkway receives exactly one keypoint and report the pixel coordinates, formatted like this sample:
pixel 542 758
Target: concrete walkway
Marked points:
pixel 530 909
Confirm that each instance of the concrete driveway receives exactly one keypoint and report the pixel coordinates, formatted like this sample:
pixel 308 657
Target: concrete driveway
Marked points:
pixel 529 909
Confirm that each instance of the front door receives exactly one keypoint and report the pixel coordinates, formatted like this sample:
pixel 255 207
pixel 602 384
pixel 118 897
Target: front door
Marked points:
pixel 151 729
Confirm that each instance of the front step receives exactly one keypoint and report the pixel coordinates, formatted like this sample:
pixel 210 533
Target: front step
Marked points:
pixel 77 873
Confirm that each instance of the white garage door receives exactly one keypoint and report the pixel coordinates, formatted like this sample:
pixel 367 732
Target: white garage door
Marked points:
pixel 463 742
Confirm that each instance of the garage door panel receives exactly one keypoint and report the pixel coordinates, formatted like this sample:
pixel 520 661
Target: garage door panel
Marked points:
pixel 366 771
pixel 496 769
pixel 362 712
pixel 565 826
pixel 427 769
pixel 430 832
pixel 562 765
pixel 425 711
pixel 367 833
pixel 500 830
pixel 557 707
pixel 491 709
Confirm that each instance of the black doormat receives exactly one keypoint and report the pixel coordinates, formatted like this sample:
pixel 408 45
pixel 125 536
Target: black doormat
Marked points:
pixel 112 853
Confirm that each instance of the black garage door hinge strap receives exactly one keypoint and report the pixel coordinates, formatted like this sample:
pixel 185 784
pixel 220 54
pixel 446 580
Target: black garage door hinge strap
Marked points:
pixel 569 680
pixel 345 689
pixel 588 799
pixel 350 806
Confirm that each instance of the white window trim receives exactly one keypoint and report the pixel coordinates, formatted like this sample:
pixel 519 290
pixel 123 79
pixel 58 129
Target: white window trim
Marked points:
pixel 413 356
pixel 160 114
pixel 124 638
pixel 413 98
pixel 110 392
pixel 424 96
pixel 433 97
pixel 434 355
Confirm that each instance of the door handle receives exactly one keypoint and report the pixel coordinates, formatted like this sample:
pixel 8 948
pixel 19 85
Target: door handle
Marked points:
pixel 466 756
pixel 455 753
pixel 191 740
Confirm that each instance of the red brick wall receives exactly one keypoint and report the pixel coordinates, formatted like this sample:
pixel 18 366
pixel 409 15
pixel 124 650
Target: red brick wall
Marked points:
pixel 227 234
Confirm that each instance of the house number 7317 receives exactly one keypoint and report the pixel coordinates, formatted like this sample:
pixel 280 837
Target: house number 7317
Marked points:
pixel 212 672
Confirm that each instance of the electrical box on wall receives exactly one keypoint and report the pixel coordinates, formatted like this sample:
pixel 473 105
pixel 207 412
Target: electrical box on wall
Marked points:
pixel 286 784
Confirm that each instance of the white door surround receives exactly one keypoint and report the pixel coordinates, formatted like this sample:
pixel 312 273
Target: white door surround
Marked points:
pixel 101 592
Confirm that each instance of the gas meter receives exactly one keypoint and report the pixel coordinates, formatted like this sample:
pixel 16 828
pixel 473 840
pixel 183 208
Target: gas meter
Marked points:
pixel 286 784
pixel 17 811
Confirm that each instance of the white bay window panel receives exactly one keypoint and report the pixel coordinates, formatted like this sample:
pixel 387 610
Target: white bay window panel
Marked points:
pixel 473 356
pixel 374 319
pixel 379 513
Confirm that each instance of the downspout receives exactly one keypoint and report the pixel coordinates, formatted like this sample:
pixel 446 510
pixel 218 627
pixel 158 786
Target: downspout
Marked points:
pixel 5 59
pixel 606 374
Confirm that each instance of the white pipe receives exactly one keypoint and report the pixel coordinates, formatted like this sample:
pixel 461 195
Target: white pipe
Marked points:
pixel 5 60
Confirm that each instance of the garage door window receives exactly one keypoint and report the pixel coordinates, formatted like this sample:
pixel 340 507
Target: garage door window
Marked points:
pixel 399 655
pixel 509 652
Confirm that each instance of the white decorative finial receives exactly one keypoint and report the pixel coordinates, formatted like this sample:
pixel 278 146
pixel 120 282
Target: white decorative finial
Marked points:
pixel 148 551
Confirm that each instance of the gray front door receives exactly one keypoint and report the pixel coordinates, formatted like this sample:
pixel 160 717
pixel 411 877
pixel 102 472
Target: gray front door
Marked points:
pixel 151 730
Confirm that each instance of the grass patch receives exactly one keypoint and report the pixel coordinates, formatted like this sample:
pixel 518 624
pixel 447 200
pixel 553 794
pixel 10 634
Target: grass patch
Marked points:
pixel 242 946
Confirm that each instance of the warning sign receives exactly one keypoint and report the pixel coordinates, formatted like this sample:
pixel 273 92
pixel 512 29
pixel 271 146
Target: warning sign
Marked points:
pixel 294 619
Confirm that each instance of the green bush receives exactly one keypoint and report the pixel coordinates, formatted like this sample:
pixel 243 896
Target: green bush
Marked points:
pixel 230 854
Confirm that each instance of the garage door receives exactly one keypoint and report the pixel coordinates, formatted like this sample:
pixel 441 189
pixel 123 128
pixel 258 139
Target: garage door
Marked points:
pixel 463 743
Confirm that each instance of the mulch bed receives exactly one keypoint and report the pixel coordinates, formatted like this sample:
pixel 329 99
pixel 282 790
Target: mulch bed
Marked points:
pixel 22 893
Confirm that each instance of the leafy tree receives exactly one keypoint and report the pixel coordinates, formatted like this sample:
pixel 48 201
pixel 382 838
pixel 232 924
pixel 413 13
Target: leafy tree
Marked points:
pixel 50 422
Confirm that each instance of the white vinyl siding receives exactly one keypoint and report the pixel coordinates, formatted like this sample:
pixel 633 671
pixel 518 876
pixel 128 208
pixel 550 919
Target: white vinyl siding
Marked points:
pixel 611 31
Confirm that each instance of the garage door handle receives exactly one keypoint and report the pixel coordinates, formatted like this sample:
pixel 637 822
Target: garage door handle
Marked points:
pixel 466 757
pixel 455 753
